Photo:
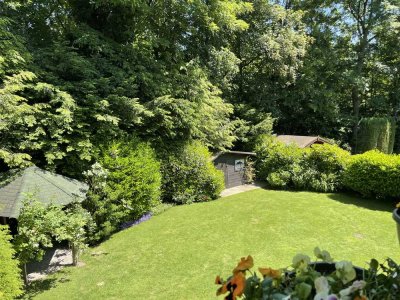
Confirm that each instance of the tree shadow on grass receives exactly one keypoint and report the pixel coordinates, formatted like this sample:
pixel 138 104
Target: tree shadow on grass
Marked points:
pixel 41 285
pixel 368 203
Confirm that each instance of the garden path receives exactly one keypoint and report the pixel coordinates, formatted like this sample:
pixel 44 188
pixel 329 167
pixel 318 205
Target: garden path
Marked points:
pixel 241 189
pixel 53 260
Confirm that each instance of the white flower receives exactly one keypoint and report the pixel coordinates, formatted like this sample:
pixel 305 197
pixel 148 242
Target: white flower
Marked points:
pixel 322 288
pixel 345 271
pixel 356 286
pixel 324 255
pixel 321 284
pixel 325 296
pixel 301 262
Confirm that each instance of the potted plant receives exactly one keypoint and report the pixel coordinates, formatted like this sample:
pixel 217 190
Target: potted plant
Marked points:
pixel 306 280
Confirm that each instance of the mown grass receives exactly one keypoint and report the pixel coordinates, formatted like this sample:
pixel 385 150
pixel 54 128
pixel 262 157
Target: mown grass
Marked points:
pixel 177 254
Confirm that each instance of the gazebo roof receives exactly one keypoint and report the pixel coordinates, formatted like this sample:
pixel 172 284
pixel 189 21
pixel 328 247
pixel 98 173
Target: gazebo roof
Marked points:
pixel 47 188
pixel 301 140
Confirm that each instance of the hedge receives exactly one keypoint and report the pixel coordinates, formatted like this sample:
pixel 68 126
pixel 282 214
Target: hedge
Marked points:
pixel 376 133
pixel 328 168
pixel 374 173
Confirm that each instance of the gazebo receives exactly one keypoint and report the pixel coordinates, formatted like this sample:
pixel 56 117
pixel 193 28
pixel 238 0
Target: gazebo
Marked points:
pixel 46 186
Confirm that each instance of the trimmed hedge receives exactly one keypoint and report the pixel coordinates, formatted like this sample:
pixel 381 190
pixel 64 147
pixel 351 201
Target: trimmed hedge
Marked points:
pixel 374 173
pixel 189 175
pixel 376 133
pixel 328 168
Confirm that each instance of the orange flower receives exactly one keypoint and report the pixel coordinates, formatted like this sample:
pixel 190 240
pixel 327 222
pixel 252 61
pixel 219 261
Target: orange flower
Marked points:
pixel 361 298
pixel 244 264
pixel 235 286
pixel 219 280
pixel 269 272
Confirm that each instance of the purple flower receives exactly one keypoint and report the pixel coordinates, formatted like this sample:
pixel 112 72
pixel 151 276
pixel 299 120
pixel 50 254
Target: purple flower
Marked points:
pixel 129 224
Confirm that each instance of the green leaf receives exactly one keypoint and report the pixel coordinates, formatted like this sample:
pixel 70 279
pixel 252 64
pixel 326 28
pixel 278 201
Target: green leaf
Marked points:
pixel 303 290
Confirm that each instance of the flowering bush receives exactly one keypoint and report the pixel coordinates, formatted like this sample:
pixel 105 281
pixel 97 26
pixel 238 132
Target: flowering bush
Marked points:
pixel 304 280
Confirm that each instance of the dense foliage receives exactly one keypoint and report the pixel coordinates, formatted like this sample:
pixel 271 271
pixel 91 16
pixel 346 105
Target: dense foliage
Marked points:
pixel 74 74
pixel 376 133
pixel 190 176
pixel 276 161
pixel 124 185
pixel 10 274
pixel 374 174
pixel 319 168
pixel 327 168
pixel 39 225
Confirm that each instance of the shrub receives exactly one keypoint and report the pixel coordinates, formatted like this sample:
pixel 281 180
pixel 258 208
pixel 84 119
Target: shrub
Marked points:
pixel 275 161
pixel 249 171
pixel 319 168
pixel 374 174
pixel 10 274
pixel 279 179
pixel 190 176
pixel 123 186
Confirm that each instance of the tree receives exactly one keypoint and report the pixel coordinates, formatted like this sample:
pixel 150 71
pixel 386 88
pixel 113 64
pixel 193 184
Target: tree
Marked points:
pixel 39 225
pixel 10 274
pixel 75 227
pixel 35 226
pixel 124 185
pixel 193 111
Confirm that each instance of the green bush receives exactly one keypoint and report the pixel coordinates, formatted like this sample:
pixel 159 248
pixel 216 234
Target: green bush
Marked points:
pixel 374 173
pixel 279 179
pixel 319 168
pixel 10 274
pixel 124 185
pixel 275 161
pixel 190 176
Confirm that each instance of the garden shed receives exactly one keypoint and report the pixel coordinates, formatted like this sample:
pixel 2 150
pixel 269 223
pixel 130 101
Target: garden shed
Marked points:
pixel 301 140
pixel 47 188
pixel 233 164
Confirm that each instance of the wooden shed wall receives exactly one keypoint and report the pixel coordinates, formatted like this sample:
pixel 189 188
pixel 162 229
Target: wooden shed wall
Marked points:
pixel 226 163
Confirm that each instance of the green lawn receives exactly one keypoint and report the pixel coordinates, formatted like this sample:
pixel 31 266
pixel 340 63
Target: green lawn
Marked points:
pixel 177 254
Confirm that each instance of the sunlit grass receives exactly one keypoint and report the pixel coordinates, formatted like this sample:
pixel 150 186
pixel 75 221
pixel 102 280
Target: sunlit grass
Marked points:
pixel 177 254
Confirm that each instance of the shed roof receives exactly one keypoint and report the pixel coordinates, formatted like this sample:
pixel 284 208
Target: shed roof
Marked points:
pixel 47 187
pixel 233 152
pixel 301 140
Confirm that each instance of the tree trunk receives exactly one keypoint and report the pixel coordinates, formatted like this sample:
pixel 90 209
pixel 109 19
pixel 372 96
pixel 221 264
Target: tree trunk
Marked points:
pixel 355 91
pixel 74 255
pixel 355 95
pixel 25 275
